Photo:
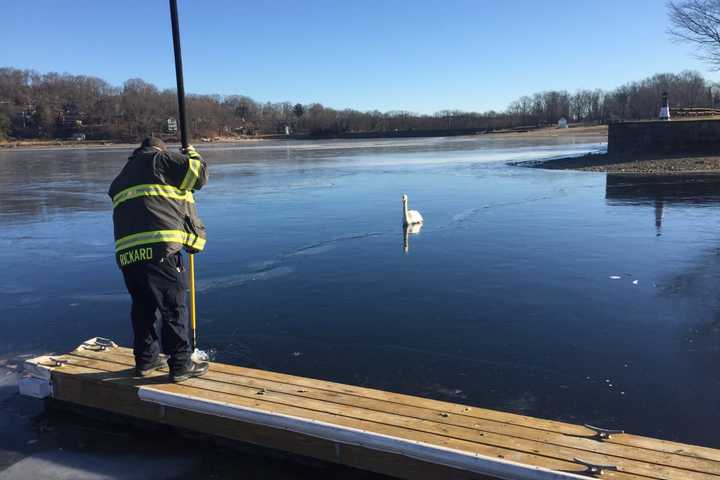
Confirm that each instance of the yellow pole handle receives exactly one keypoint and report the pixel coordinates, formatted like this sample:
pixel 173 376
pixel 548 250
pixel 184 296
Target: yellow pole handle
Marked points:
pixel 192 299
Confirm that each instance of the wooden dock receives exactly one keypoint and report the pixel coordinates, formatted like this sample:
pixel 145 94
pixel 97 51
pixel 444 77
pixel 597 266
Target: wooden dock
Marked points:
pixel 398 435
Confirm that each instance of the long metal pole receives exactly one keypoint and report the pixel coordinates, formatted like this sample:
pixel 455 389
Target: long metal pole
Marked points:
pixel 182 120
pixel 179 73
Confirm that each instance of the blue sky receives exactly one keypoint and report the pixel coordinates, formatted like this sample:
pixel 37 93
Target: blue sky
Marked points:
pixel 419 55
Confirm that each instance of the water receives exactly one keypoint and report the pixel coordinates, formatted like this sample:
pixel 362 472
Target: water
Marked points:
pixel 504 299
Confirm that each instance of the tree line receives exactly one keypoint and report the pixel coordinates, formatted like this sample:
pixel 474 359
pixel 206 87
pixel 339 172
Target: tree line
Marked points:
pixel 51 105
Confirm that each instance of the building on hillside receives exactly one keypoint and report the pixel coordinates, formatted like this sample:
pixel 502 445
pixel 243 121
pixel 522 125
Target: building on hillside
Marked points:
pixel 69 121
pixel 665 108
pixel 562 123
pixel 171 125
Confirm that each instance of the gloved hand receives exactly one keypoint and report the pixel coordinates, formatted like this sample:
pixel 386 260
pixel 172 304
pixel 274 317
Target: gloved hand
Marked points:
pixel 192 250
pixel 191 152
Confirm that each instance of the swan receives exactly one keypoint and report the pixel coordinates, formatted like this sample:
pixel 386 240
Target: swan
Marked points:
pixel 410 217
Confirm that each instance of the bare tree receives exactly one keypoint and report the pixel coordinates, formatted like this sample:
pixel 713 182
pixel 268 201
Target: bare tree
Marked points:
pixel 698 22
pixel 52 105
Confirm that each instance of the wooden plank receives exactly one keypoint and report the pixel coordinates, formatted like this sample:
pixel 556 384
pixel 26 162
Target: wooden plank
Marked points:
pixel 460 411
pixel 364 434
pixel 236 389
pixel 108 397
pixel 491 431
pixel 99 389
pixel 413 426
pixel 482 425
pixel 118 378
pixel 376 461
pixel 122 379
pixel 401 399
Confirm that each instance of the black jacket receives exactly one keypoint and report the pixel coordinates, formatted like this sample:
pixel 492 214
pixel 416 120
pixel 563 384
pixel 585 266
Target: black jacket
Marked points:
pixel 154 212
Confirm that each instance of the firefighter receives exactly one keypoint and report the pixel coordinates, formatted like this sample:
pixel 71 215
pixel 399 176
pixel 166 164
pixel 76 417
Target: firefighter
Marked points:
pixel 154 217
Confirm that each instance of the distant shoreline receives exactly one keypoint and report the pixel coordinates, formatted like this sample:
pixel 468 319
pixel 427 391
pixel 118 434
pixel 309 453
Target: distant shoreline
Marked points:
pixel 595 131
pixel 95 144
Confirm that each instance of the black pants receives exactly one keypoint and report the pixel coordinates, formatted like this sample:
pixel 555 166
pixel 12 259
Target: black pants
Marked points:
pixel 159 286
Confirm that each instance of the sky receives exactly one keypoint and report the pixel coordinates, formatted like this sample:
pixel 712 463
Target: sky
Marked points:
pixel 417 55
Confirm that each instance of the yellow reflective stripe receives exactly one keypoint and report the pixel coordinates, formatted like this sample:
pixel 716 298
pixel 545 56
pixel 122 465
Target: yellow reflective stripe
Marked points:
pixel 167 191
pixel 196 242
pixel 156 236
pixel 193 172
pixel 160 236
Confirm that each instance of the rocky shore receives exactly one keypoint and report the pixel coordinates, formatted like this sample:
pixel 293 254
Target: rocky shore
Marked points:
pixel 636 164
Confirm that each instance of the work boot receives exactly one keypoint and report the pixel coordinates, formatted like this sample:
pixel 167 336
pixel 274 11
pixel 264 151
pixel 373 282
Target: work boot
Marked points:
pixel 194 370
pixel 159 362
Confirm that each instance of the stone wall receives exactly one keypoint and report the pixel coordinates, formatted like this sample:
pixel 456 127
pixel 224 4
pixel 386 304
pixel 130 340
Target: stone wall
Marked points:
pixel 674 137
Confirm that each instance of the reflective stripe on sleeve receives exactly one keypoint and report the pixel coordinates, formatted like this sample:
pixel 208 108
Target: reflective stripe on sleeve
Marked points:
pixel 167 191
pixel 193 172
pixel 160 236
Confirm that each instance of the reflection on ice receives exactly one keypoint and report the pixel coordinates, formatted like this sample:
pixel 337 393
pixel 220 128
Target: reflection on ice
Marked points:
pixel 408 229
pixel 658 216
pixel 661 191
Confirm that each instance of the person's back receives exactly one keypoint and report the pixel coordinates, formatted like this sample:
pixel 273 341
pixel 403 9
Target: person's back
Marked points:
pixel 155 217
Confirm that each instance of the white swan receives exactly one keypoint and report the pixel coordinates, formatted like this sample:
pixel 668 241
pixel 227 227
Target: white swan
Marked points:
pixel 410 217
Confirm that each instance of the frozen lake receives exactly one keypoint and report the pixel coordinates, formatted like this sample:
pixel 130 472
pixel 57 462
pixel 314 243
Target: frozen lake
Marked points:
pixel 506 299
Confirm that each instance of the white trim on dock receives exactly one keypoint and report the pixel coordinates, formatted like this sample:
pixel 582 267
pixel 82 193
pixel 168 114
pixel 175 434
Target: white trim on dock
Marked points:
pixel 494 467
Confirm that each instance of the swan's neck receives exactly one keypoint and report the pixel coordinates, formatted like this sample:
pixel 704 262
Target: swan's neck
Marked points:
pixel 405 212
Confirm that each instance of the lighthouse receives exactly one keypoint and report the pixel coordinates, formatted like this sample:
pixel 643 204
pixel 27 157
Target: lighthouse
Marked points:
pixel 665 109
